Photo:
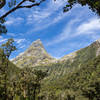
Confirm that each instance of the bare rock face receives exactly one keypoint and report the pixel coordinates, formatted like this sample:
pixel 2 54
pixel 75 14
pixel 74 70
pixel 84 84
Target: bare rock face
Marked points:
pixel 98 50
pixel 33 56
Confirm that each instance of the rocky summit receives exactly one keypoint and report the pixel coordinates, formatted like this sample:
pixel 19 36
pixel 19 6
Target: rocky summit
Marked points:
pixel 33 56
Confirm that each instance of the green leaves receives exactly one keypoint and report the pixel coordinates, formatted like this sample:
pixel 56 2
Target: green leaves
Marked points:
pixel 8 47
pixel 12 3
pixel 40 74
pixel 2 3
pixel 94 5
pixel 3 29
pixel 6 50
pixel 28 82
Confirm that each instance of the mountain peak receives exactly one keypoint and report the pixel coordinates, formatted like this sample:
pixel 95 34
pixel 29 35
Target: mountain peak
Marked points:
pixel 34 55
pixel 37 43
pixel 98 40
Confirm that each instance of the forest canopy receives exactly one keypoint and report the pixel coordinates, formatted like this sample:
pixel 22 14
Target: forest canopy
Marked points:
pixel 94 5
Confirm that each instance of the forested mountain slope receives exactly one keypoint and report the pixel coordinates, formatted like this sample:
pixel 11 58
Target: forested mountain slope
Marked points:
pixel 81 84
pixel 73 77
pixel 71 62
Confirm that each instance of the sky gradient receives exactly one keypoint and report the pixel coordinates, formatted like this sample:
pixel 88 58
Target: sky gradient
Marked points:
pixel 61 33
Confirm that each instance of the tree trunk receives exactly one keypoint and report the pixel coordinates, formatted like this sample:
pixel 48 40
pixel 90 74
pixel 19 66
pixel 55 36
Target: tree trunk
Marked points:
pixel 29 93
pixel 5 86
pixel 24 93
pixel 34 93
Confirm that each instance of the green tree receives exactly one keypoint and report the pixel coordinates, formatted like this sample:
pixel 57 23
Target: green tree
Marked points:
pixel 7 49
pixel 94 5
pixel 2 27
pixel 40 75
pixel 29 82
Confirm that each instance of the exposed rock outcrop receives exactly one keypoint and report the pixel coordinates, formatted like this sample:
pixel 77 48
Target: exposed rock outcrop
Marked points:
pixel 34 55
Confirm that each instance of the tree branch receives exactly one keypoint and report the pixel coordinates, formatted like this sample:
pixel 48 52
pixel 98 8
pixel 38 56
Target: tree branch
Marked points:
pixel 30 6
pixel 19 6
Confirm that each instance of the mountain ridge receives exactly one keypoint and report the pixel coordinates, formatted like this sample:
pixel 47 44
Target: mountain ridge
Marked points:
pixel 36 55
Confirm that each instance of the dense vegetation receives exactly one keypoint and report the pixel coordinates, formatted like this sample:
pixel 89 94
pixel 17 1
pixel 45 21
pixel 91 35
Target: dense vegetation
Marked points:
pixel 77 78
pixel 20 84
pixel 14 82
pixel 94 5
pixel 6 72
pixel 81 84
pixel 72 80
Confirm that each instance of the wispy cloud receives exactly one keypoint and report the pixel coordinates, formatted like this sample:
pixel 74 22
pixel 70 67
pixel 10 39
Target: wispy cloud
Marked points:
pixel 39 15
pixel 14 21
pixel 51 14
pixel 2 11
pixel 89 27
pixel 18 41
pixel 21 45
pixel 65 34
pixel 2 40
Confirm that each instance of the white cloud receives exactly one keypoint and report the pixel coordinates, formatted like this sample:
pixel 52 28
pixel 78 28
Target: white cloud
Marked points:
pixel 2 11
pixel 66 32
pixel 1 37
pixel 23 46
pixel 18 41
pixel 2 40
pixel 51 14
pixel 49 22
pixel 14 21
pixel 89 26
pixel 47 16
pixel 39 15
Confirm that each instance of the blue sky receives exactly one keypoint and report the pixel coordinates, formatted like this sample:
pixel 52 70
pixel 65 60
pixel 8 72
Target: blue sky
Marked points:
pixel 61 33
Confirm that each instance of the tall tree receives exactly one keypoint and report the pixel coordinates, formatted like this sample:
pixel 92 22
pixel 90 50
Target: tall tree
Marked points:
pixel 7 49
pixel 29 83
